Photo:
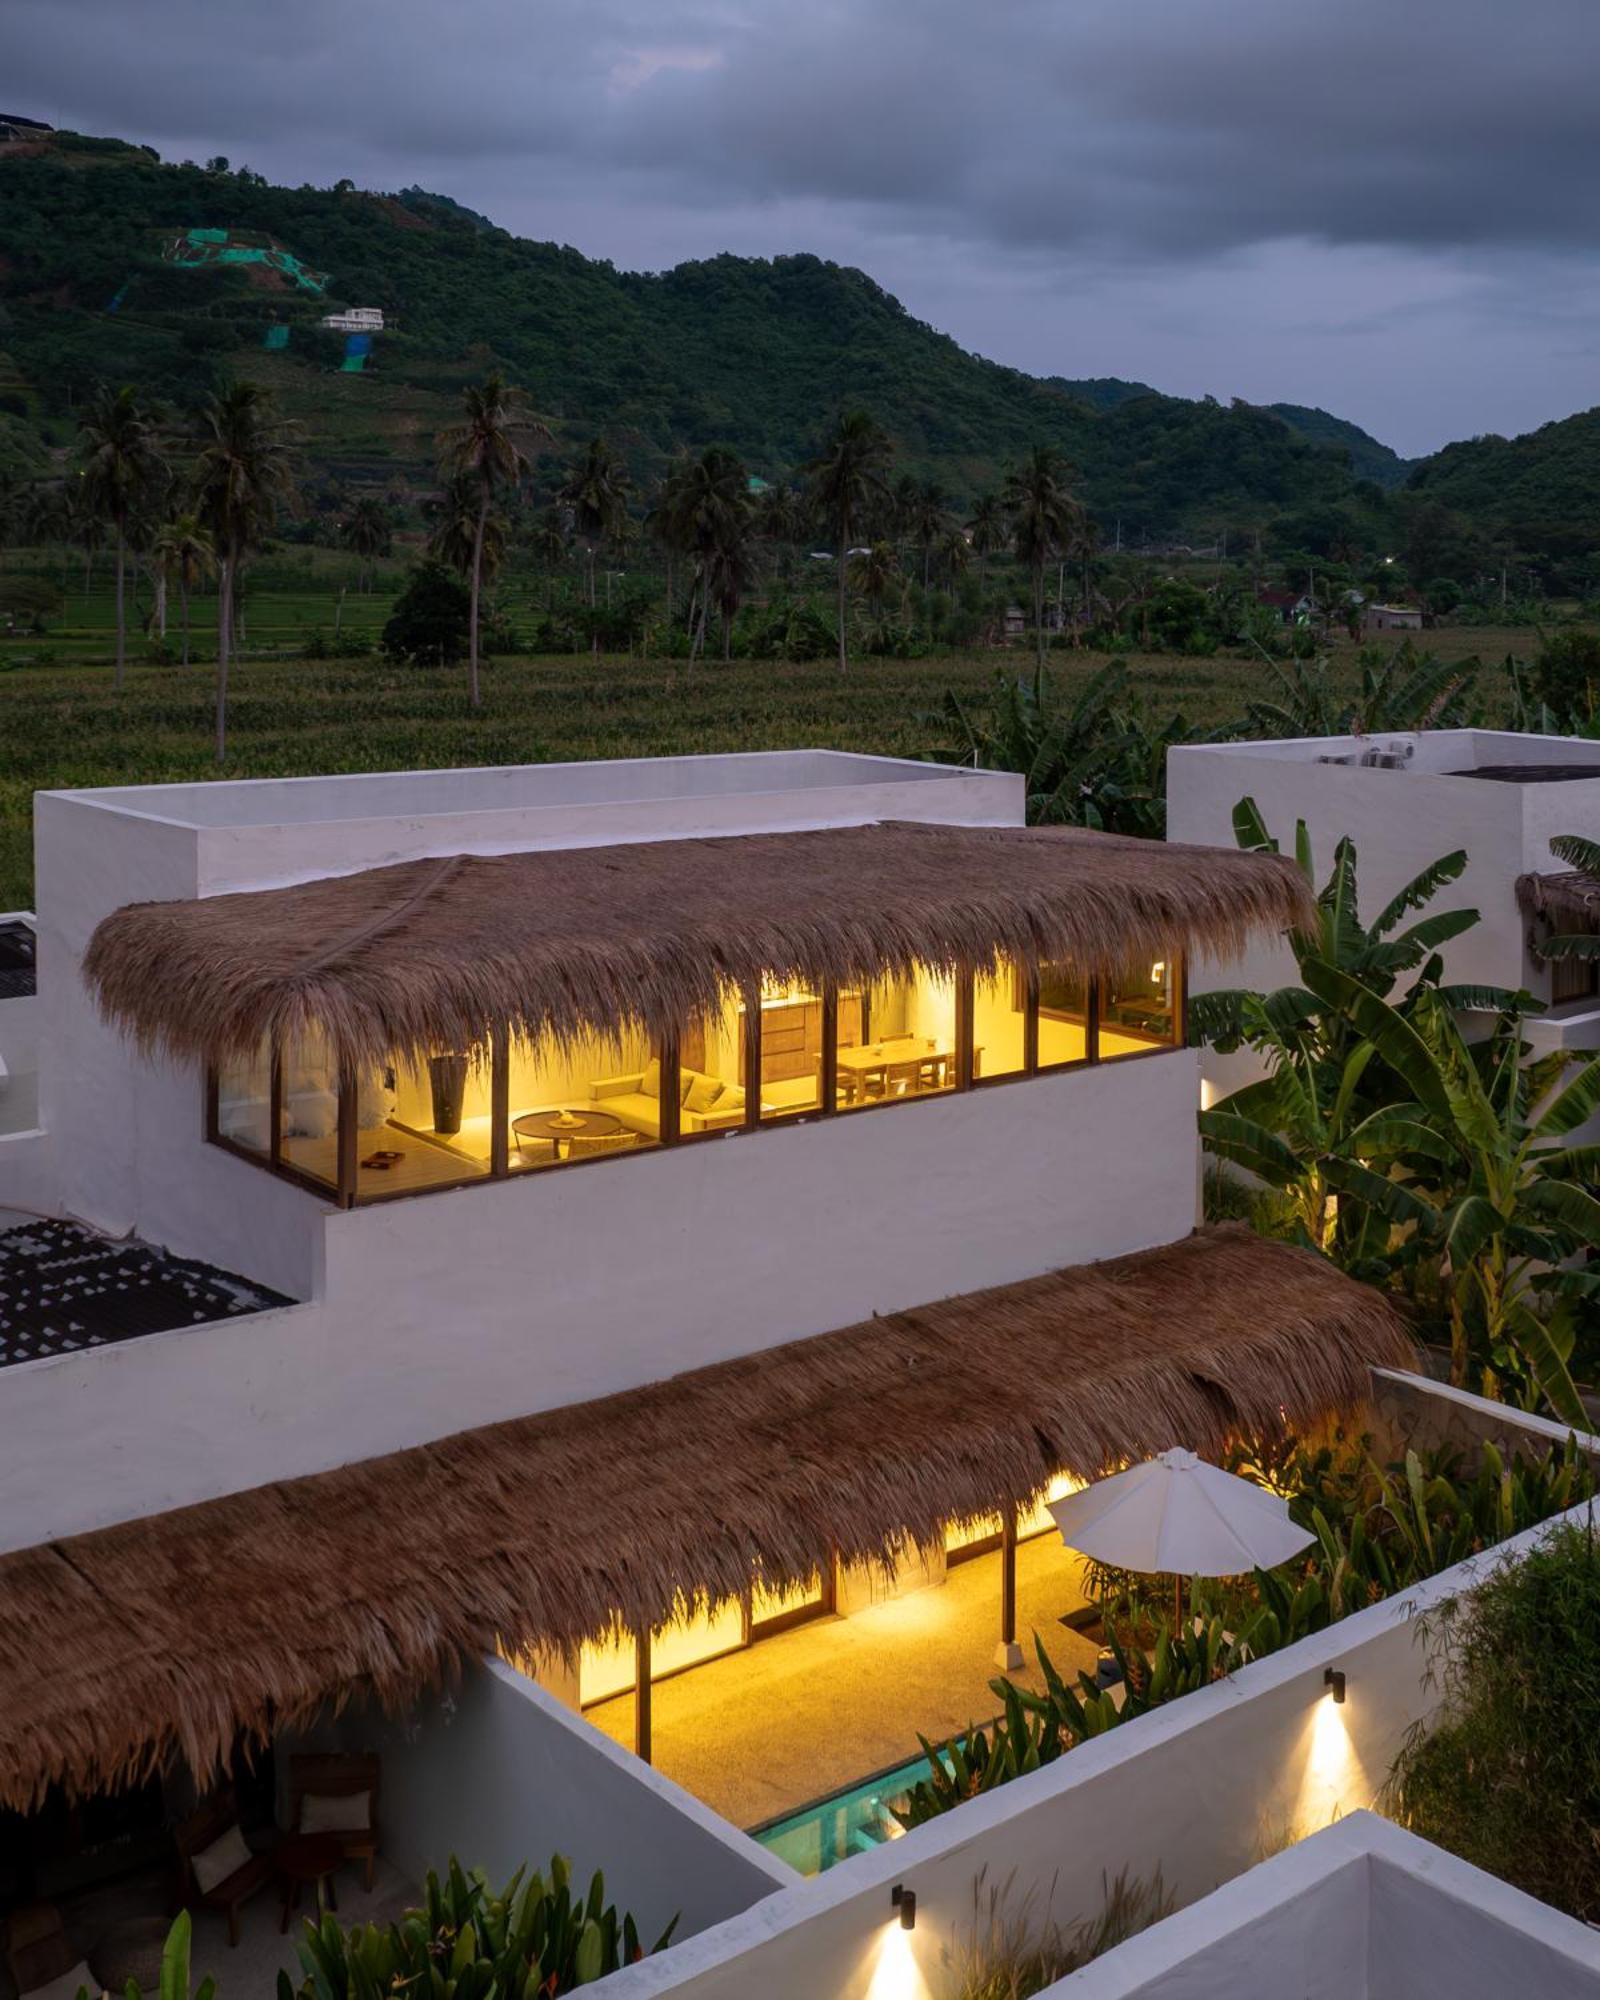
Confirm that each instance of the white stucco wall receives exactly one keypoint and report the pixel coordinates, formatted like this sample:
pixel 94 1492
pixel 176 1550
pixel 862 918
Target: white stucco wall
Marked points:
pixel 128 1143
pixel 1201 1789
pixel 446 1311
pixel 499 1774
pixel 1401 821
pixel 1360 1911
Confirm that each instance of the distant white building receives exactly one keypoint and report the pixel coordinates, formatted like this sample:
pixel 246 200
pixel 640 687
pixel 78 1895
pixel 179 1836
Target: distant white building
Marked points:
pixel 355 319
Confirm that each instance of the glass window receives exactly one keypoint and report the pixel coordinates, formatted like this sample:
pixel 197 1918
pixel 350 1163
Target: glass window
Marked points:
pixel 422 1122
pixel 1136 1010
pixel 711 1098
pixel 904 1044
pixel 791 1049
pixel 772 1610
pixel 999 1024
pixel 308 1122
pixel 244 1101
pixel 1063 1015
pixel 584 1101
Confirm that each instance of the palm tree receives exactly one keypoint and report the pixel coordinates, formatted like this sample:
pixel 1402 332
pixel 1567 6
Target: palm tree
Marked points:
pixel 1046 521
pixel 550 540
pixel 875 574
pixel 123 468
pixel 955 552
pixel 244 472
pixel 489 449
pixel 930 520
pixel 462 537
pixel 704 511
pixel 596 490
pixel 183 552
pixel 845 482
pixel 367 531
pixel 990 529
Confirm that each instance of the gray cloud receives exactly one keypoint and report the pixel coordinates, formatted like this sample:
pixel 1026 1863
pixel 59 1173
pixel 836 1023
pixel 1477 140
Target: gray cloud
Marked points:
pixel 1012 163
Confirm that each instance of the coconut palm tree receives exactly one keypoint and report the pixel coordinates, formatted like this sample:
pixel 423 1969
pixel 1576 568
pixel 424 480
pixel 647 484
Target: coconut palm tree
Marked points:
pixel 990 529
pixel 243 474
pixel 705 512
pixel 183 553
pixel 123 469
pixel 462 537
pixel 367 531
pixel 491 448
pixel 875 573
pixel 1046 521
pixel 596 490
pixel 846 482
pixel 550 540
pixel 930 522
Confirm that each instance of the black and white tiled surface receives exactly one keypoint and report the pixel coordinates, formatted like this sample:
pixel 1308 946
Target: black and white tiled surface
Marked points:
pixel 63 1289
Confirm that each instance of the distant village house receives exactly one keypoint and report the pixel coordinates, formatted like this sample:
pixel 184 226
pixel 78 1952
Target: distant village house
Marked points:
pixel 355 319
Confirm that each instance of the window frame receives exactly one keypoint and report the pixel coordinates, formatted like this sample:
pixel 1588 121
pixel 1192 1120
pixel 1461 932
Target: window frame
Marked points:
pixel 346 1191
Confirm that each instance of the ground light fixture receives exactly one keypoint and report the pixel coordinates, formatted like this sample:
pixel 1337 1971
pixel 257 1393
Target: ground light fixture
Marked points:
pixel 905 1901
pixel 1333 1681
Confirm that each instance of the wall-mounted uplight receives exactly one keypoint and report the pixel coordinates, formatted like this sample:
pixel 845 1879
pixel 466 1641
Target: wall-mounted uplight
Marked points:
pixel 1333 1681
pixel 905 1901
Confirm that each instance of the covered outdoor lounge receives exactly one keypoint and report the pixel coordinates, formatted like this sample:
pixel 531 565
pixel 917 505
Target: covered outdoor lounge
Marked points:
pixel 473 1018
pixel 631 1520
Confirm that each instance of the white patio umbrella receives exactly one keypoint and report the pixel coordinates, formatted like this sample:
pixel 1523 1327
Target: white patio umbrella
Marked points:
pixel 1180 1516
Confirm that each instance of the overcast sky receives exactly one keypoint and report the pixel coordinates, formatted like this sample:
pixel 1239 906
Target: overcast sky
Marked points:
pixel 1386 207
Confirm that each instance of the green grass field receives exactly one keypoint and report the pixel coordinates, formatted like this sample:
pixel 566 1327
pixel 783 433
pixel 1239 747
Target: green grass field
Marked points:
pixel 62 723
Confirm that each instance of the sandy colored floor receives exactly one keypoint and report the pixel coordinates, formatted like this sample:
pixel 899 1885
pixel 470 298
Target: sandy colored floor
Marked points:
pixel 759 1733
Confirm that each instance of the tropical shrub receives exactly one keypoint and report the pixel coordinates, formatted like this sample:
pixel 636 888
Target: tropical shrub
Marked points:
pixel 1093 760
pixel 532 1940
pixel 1509 1776
pixel 430 621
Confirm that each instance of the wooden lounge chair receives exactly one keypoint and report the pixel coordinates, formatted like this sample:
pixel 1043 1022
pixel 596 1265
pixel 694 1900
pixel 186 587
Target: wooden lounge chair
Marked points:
pixel 205 1826
pixel 316 1780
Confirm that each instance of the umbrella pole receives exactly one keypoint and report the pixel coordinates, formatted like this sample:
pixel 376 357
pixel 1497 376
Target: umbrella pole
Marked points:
pixel 1177 1606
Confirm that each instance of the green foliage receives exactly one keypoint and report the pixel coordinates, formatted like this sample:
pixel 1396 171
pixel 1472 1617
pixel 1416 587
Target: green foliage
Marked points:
pixel 1508 1776
pixel 1400 690
pixel 1565 678
pixel 1377 1532
pixel 468 1942
pixel 739 351
pixel 431 617
pixel 1091 760
pixel 533 1940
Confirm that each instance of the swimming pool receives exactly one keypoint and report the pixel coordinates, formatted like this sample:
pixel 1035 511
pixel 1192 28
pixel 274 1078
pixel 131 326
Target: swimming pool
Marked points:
pixel 821 1835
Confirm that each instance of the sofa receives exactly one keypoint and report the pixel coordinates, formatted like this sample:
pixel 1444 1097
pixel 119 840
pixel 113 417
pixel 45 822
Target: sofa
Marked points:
pixel 705 1103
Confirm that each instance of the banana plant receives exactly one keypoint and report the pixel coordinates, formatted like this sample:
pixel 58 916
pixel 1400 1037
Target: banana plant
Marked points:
pixel 1472 1167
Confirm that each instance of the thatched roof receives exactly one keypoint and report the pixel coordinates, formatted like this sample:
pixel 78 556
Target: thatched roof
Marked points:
pixel 572 942
pixel 176 1633
pixel 1568 900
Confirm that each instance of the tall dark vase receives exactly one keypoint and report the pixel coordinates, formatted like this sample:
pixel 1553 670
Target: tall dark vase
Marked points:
pixel 448 1076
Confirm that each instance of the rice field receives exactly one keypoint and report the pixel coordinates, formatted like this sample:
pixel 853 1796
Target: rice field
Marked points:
pixel 63 724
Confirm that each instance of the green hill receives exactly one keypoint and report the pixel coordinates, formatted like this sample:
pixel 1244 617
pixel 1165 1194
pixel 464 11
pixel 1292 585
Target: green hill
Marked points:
pixel 750 352
pixel 1368 458
pixel 1542 490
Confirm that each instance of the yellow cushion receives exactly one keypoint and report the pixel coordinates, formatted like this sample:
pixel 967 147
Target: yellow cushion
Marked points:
pixel 702 1093
pixel 650 1082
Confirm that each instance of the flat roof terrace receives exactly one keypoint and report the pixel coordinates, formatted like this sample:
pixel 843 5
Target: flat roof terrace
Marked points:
pixel 618 782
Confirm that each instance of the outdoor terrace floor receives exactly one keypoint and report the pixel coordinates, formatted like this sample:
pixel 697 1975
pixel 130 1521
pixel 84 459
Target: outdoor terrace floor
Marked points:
pixel 759 1733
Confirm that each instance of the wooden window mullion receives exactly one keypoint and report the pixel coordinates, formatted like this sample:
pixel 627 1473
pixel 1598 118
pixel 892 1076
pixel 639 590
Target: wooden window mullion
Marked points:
pixel 1091 1026
pixel 671 1085
pixel 964 1030
pixel 348 1139
pixel 752 1057
pixel 1030 1022
pixel 499 1102
pixel 829 1079
pixel 275 1108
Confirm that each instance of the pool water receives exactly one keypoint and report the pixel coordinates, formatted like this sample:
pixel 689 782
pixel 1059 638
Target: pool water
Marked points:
pixel 821 1835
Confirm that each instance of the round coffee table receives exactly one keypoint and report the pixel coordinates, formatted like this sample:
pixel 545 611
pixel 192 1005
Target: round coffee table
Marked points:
pixel 559 1126
pixel 304 1859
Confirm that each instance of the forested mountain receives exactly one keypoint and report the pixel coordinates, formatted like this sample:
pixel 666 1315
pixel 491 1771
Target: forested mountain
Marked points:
pixel 750 352
pixel 1541 490
pixel 754 353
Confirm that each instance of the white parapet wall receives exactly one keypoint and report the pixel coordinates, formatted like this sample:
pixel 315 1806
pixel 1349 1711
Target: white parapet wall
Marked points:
pixel 1359 1911
pixel 1199 1790
pixel 501 1776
